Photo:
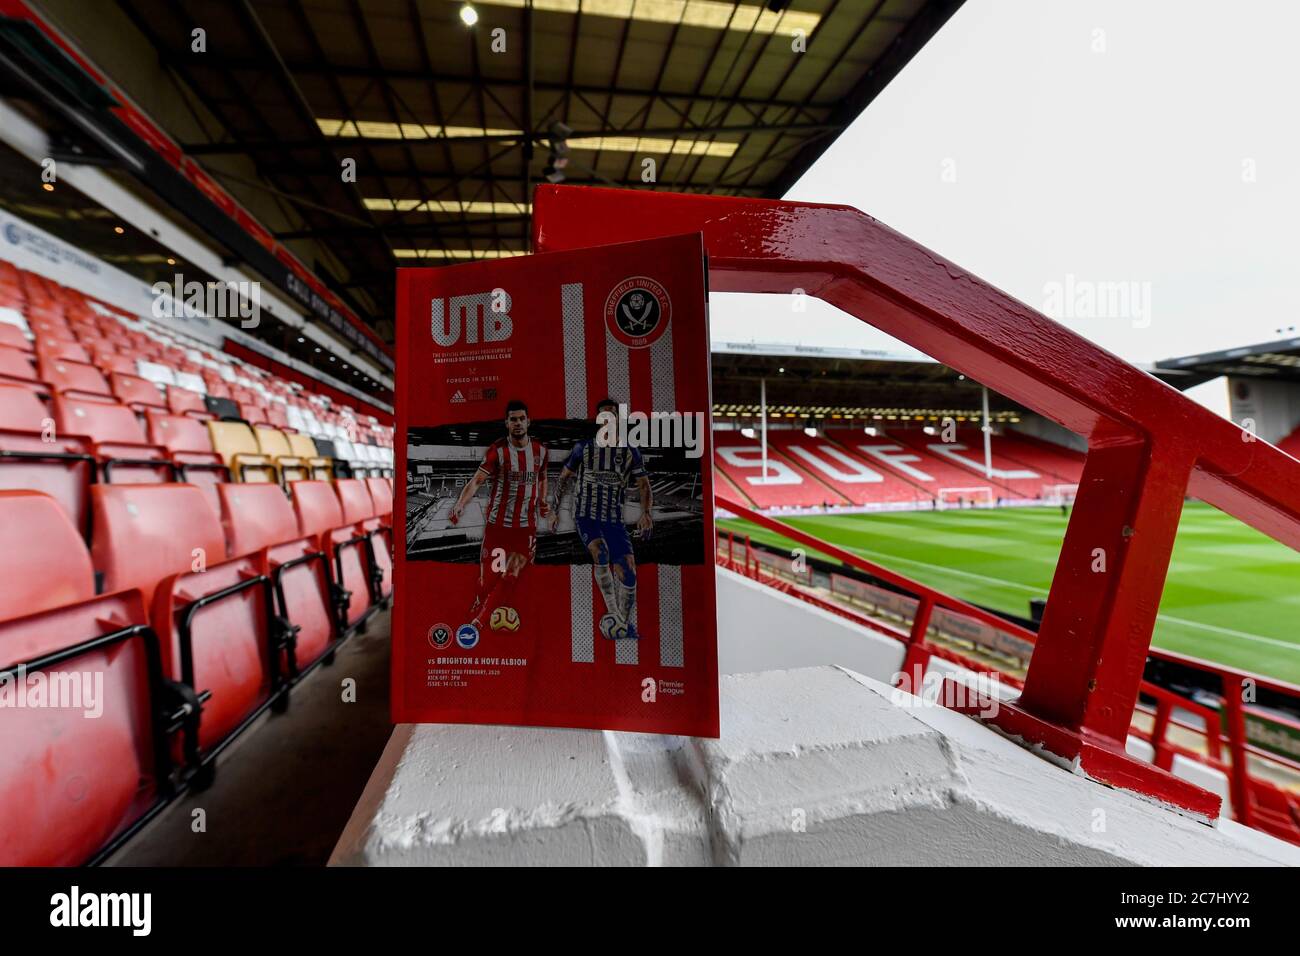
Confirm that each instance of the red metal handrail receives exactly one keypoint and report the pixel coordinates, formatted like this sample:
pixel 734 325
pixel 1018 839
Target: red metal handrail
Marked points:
pixel 1148 445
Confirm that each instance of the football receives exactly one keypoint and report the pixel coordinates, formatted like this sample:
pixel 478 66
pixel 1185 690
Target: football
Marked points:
pixel 505 619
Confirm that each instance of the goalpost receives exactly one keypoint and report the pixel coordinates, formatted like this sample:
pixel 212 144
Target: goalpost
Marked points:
pixel 980 496
pixel 1059 494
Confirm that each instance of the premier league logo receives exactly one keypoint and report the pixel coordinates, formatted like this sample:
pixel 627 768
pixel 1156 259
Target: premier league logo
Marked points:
pixel 637 312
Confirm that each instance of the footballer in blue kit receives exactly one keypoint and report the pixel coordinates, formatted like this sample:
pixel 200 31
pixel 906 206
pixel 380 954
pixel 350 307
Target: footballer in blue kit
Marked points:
pixel 603 473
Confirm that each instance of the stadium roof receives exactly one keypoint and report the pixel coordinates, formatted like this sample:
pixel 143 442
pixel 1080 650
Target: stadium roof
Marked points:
pixel 848 385
pixel 450 134
pixel 1275 360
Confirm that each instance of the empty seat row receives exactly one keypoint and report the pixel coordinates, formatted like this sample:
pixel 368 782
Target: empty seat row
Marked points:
pixel 204 621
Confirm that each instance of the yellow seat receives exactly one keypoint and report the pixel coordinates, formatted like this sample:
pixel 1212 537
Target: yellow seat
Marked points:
pixel 305 448
pixel 273 443
pixel 238 448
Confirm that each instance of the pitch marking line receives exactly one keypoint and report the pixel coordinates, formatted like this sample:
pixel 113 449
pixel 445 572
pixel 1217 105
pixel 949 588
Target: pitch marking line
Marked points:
pixel 886 558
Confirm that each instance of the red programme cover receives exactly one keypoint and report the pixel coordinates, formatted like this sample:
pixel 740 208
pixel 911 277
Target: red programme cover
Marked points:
pixel 533 586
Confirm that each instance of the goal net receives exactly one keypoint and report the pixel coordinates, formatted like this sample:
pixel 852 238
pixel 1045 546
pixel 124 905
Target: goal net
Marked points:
pixel 1059 494
pixel 977 497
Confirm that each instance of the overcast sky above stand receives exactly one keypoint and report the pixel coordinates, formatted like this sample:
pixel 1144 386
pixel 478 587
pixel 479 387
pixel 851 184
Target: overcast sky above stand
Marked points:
pixel 1150 143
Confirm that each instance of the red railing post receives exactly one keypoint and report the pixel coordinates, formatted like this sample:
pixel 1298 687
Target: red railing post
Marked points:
pixel 917 657
pixel 1164 755
pixel 1092 646
pixel 1239 779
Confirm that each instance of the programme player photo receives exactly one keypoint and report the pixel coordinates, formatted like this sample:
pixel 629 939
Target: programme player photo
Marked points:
pixel 515 466
pixel 603 472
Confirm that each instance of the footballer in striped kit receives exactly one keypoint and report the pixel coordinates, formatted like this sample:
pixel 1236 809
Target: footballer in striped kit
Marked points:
pixel 603 473
pixel 516 468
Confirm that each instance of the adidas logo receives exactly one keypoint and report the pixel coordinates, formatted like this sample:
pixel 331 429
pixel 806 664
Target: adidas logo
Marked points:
pixel 458 398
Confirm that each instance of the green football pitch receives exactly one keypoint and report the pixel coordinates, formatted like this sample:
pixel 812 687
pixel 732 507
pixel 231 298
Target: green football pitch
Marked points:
pixel 1232 594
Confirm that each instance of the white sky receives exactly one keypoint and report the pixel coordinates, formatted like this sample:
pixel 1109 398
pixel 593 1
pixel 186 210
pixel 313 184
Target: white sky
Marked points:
pixel 1126 165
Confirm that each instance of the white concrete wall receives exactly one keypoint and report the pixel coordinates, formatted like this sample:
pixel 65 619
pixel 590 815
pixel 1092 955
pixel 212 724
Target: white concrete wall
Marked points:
pixel 815 766
pixel 761 629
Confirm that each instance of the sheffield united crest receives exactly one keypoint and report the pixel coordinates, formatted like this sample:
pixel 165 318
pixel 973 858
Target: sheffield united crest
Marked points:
pixel 637 312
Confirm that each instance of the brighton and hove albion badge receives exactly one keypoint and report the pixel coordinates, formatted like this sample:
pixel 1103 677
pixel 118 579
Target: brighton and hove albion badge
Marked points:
pixel 637 312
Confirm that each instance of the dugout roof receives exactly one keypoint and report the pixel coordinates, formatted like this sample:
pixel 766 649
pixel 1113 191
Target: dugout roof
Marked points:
pixel 1278 360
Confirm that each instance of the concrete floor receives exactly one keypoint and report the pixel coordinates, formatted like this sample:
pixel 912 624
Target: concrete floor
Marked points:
pixel 286 787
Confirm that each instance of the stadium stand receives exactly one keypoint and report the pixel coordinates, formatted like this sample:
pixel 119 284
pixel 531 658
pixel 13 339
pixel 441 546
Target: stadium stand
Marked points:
pixel 957 465
pixel 1052 463
pixel 846 472
pixel 199 615
pixel 740 459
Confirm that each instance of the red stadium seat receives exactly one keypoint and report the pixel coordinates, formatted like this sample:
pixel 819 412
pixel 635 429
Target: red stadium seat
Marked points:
pixel 252 413
pixel 354 498
pixel 13 337
pixel 55 349
pixel 72 787
pixel 112 362
pixel 66 376
pixel 16 365
pixel 119 442
pixel 259 517
pixel 69 784
pixel 178 432
pixel 137 392
pixel 186 440
pixel 181 401
pixel 44 560
pixel 381 493
pixel 213 617
pixel 381 526
pixel 359 509
pixel 48 331
pixel 62 468
pixel 320 515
